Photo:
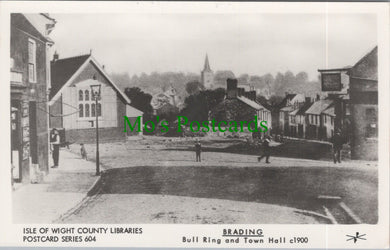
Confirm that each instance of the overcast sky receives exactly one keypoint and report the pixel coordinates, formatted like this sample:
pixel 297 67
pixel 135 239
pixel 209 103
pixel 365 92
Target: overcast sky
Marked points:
pixel 253 44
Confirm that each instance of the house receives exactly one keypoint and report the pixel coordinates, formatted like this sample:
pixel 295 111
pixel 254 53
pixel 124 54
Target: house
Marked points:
pixel 30 79
pixel 301 118
pixel 288 104
pixel 328 117
pixel 355 94
pixel 241 106
pixel 364 107
pixel 297 118
pixel 320 120
pixel 73 108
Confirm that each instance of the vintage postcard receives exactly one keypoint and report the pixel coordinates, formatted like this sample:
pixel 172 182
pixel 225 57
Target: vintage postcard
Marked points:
pixel 195 124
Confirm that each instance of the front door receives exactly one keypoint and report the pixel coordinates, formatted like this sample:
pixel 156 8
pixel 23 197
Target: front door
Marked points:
pixel 16 163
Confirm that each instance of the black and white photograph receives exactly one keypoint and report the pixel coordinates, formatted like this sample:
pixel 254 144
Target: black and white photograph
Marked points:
pixel 196 117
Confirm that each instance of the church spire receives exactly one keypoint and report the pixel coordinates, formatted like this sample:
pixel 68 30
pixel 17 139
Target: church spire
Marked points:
pixel 206 64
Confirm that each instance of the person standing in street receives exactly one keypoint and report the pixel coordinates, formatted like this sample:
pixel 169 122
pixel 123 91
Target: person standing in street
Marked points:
pixel 198 150
pixel 55 146
pixel 266 149
pixel 337 142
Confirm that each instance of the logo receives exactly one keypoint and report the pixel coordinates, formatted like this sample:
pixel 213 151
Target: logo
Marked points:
pixel 357 237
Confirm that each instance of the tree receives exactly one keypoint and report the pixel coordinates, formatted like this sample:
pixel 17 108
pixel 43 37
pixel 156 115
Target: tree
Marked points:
pixel 139 99
pixel 198 106
pixel 122 80
pixel 243 79
pixel 193 87
pixel 221 76
pixel 275 101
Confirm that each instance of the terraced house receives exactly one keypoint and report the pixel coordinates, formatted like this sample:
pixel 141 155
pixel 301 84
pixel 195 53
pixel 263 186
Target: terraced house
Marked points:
pixel 30 80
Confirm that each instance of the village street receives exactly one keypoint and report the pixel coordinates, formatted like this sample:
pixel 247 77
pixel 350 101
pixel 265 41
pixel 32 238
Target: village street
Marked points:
pixel 156 180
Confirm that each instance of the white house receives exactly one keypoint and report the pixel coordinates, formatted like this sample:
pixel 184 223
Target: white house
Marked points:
pixel 73 108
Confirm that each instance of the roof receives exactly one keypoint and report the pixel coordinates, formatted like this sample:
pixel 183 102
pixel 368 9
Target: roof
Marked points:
pixel 43 23
pixel 367 66
pixel 287 108
pixel 304 108
pixel 64 71
pixel 345 68
pixel 294 112
pixel 206 64
pixel 319 106
pixel 284 101
pixel 329 111
pixel 251 103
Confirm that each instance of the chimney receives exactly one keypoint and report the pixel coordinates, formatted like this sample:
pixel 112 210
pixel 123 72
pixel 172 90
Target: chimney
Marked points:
pixel 241 91
pixel 104 66
pixel 317 97
pixel 307 99
pixel 55 56
pixel 252 95
pixel 231 88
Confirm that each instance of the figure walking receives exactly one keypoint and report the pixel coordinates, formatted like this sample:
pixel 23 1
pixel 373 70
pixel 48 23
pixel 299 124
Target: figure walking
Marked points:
pixel 83 152
pixel 266 149
pixel 198 150
pixel 55 146
pixel 337 142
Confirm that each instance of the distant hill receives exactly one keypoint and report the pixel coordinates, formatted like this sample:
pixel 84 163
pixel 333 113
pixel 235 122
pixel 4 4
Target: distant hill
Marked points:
pixel 159 82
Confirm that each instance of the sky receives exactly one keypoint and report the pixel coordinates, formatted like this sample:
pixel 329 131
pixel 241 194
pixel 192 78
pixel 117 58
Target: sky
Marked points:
pixel 255 44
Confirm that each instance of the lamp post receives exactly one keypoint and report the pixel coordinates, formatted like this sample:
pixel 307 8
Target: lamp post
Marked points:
pixel 95 91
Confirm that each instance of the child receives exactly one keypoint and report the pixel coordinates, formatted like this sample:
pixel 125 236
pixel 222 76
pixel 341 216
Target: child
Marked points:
pixel 83 152
pixel 198 150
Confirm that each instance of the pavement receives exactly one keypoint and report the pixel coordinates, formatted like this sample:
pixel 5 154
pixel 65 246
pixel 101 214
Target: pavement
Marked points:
pixel 61 190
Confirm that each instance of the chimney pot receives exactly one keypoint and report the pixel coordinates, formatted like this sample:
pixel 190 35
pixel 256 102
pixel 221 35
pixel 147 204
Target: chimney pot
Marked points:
pixel 56 56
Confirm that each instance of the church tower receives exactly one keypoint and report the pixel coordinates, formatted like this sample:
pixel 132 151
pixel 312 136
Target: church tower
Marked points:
pixel 207 74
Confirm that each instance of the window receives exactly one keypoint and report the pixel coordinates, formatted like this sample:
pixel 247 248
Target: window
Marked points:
pixel 93 110
pixel 32 70
pixel 87 106
pixel 317 119
pixel 81 110
pixel 372 123
pixel 325 119
pixel 99 109
pixel 87 110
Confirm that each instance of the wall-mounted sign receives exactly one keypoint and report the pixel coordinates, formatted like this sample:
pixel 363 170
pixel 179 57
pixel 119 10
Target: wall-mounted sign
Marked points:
pixel 331 81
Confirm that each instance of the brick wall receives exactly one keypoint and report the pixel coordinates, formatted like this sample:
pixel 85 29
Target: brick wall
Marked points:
pixel 362 147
